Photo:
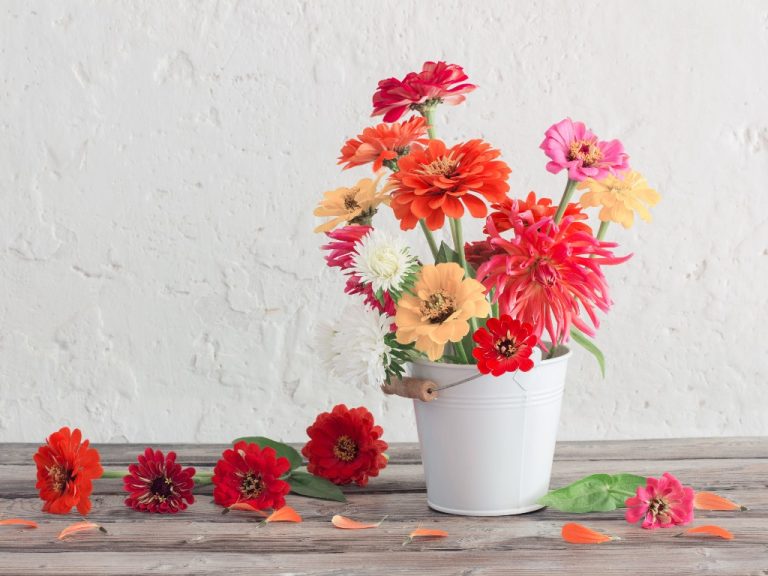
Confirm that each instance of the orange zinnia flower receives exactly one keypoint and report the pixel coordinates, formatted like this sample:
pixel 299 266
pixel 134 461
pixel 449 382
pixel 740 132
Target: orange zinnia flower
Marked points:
pixel 355 205
pixel 435 182
pixel 65 471
pixel 383 143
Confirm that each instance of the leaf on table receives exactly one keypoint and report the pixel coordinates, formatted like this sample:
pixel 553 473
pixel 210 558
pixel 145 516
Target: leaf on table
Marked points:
pixel 595 493
pixel 710 530
pixel 306 484
pixel 579 534
pixel 18 522
pixel 348 524
pixel 282 449
pixel 285 514
pixel 79 527
pixel 425 533
pixel 245 507
pixel 712 501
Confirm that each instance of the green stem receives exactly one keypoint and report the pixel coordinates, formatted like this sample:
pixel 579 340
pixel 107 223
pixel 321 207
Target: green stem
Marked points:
pixel 567 193
pixel 429 115
pixel 430 238
pixel 458 244
pixel 602 230
pixel 114 473
pixel 459 349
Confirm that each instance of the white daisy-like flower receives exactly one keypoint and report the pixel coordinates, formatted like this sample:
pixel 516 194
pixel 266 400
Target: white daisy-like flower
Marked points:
pixel 353 347
pixel 384 261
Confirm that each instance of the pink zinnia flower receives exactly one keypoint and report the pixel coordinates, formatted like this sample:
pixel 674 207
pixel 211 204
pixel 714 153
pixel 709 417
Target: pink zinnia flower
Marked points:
pixel 546 274
pixel 661 503
pixel 437 81
pixel 571 145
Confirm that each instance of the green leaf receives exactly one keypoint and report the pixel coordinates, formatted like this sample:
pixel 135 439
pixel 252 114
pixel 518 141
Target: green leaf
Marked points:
pixel 590 347
pixel 447 254
pixel 306 484
pixel 282 449
pixel 596 493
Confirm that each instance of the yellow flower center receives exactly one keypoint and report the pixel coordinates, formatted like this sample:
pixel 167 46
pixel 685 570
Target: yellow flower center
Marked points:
pixel 161 489
pixel 443 166
pixel 438 307
pixel 506 346
pixel 345 449
pixel 252 485
pixel 586 151
pixel 58 476
pixel 659 508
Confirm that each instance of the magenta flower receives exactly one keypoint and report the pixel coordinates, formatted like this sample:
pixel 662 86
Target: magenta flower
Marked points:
pixel 661 503
pixel 437 81
pixel 571 145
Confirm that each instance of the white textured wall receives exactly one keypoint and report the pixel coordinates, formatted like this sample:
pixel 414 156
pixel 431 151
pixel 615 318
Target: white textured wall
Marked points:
pixel 159 162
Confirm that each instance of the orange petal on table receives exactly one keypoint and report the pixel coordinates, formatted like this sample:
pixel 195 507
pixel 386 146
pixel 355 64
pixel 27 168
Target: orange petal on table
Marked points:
pixel 712 501
pixel 78 527
pixel 711 530
pixel 245 507
pixel 18 522
pixel 285 514
pixel 578 534
pixel 425 533
pixel 348 524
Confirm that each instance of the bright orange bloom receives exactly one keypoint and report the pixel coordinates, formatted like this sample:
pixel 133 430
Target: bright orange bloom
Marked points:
pixel 65 471
pixel 383 142
pixel 435 182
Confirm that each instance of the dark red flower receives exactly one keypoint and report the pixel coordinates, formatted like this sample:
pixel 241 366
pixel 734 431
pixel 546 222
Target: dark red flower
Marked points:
pixel 437 82
pixel 158 484
pixel 247 473
pixel 504 345
pixel 478 253
pixel 344 446
pixel 66 469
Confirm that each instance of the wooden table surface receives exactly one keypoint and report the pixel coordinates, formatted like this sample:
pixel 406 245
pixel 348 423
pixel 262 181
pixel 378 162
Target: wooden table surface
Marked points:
pixel 203 541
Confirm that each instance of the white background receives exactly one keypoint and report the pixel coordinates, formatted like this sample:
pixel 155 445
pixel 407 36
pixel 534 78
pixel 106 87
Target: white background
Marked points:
pixel 159 163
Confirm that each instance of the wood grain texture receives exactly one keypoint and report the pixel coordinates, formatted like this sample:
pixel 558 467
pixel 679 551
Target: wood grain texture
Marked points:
pixel 203 541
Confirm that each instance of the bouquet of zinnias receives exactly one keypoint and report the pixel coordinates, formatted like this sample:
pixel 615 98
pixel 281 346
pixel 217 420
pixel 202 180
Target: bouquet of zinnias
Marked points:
pixel 534 280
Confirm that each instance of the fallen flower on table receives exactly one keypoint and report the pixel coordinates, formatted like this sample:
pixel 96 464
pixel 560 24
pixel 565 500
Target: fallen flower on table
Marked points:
pixel 348 524
pixel 245 507
pixel 712 501
pixel 425 533
pixel 284 514
pixel 579 534
pixel 157 483
pixel 661 503
pixel 18 522
pixel 79 527
pixel 710 530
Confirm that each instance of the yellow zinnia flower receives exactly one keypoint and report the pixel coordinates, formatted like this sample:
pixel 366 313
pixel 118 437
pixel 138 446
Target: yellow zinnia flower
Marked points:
pixel 355 205
pixel 620 197
pixel 439 308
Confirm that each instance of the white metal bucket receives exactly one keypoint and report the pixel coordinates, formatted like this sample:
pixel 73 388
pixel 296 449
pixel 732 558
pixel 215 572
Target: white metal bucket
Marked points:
pixel 488 444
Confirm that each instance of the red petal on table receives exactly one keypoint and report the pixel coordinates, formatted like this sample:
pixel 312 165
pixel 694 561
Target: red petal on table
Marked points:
pixel 245 507
pixel 78 527
pixel 285 514
pixel 578 534
pixel 18 522
pixel 712 501
pixel 348 524
pixel 711 530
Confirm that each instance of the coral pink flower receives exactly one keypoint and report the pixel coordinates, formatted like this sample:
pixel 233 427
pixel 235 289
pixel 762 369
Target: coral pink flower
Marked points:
pixel 437 82
pixel 157 483
pixel 383 143
pixel 661 503
pixel 572 146
pixel 504 345
pixel 546 274
pixel 510 213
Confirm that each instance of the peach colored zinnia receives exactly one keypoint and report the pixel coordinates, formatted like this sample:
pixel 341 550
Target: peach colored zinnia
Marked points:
pixel 353 205
pixel 383 144
pixel 620 197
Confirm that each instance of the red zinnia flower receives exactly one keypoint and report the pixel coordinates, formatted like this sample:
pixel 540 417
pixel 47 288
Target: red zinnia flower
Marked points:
pixel 344 446
pixel 435 182
pixel 510 213
pixel 437 82
pixel 383 142
pixel 504 345
pixel 65 471
pixel 247 473
pixel 546 274
pixel 158 484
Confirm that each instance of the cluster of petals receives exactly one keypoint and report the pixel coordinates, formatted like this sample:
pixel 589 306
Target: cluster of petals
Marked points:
pixel 661 503
pixel 383 143
pixel 573 147
pixel 620 197
pixel 436 181
pixel 437 82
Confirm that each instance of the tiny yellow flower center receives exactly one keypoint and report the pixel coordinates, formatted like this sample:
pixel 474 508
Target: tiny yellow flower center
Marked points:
pixel 506 346
pixel 659 508
pixel 58 476
pixel 443 166
pixel 350 201
pixel 438 307
pixel 345 449
pixel 161 489
pixel 585 150
pixel 252 485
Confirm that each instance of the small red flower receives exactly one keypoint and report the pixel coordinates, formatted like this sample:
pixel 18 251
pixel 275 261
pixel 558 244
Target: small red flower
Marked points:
pixel 437 82
pixel 344 446
pixel 247 473
pixel 66 469
pixel 158 484
pixel 661 503
pixel 504 345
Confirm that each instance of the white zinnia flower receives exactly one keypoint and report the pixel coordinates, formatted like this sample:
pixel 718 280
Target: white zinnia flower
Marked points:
pixel 353 347
pixel 383 261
